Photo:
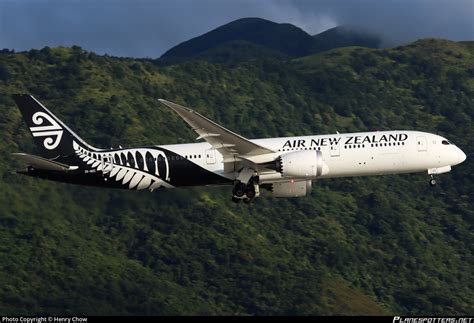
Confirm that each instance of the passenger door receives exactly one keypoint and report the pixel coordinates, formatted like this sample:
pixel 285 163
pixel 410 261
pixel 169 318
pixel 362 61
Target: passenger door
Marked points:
pixel 421 143
pixel 335 150
pixel 106 163
pixel 211 156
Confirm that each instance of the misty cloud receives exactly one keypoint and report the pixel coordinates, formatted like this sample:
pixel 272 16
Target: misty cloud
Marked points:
pixel 398 21
pixel 146 28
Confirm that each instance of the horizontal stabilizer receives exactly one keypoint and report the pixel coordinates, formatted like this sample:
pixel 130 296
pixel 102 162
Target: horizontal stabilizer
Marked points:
pixel 43 163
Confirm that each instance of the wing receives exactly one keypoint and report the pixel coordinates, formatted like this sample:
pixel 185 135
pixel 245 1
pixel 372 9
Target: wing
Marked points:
pixel 43 163
pixel 231 145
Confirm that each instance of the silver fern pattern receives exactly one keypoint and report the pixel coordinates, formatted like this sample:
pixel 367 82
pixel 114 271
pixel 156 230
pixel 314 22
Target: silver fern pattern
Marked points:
pixel 135 168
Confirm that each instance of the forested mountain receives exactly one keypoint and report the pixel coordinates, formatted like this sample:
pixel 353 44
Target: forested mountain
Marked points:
pixel 249 38
pixel 376 245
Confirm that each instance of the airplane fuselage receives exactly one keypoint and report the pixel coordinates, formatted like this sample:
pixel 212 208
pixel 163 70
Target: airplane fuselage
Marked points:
pixel 286 166
pixel 196 164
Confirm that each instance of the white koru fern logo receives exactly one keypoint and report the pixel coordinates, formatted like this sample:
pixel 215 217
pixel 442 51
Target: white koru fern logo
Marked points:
pixel 53 132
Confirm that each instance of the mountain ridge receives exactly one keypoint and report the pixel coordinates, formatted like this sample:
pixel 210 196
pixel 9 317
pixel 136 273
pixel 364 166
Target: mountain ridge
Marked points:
pixel 279 39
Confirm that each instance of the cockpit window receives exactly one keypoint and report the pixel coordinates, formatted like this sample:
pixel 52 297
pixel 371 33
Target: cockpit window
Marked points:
pixel 446 142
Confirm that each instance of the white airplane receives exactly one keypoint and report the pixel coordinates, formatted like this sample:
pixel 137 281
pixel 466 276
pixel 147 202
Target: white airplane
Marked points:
pixel 285 166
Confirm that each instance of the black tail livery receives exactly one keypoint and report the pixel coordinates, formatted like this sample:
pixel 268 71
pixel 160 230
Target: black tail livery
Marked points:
pixel 51 135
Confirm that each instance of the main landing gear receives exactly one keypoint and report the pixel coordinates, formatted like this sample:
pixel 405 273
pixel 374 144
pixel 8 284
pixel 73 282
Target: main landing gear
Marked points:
pixel 245 192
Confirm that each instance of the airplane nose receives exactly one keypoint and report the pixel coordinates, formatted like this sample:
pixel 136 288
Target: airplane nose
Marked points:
pixel 461 156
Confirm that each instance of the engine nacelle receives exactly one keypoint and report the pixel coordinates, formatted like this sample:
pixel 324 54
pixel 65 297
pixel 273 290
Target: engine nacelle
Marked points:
pixel 291 189
pixel 302 164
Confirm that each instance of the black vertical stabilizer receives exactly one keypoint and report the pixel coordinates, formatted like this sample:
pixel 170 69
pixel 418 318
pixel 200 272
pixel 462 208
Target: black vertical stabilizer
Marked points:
pixel 51 135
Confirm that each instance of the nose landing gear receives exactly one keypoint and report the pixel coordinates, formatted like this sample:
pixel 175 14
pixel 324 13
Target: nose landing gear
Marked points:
pixel 433 172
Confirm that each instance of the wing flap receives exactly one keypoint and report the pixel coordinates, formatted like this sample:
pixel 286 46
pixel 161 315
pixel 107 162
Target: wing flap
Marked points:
pixel 43 163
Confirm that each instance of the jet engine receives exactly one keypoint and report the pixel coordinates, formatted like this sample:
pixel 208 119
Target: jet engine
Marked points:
pixel 302 164
pixel 291 189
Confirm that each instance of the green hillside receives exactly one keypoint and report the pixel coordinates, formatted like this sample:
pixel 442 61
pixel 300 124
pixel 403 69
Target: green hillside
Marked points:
pixel 376 245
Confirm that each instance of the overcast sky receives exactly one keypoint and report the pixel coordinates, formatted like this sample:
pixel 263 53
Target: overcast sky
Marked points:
pixel 147 28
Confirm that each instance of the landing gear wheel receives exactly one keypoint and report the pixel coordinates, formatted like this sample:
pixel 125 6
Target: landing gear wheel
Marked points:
pixel 245 191
pixel 433 181
pixel 250 192
pixel 239 190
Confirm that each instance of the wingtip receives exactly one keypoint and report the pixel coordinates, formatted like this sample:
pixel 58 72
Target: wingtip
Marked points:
pixel 176 107
pixel 163 101
pixel 170 104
